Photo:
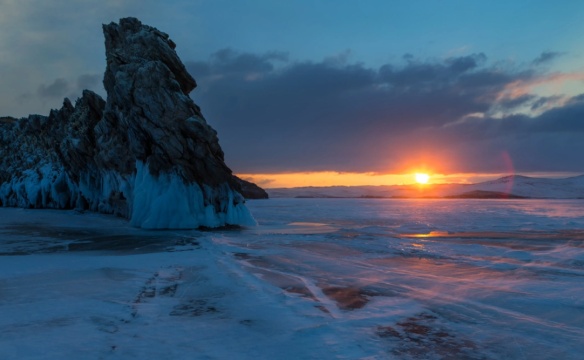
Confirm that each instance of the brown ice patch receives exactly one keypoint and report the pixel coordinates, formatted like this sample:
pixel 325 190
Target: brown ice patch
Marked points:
pixel 422 336
pixel 347 298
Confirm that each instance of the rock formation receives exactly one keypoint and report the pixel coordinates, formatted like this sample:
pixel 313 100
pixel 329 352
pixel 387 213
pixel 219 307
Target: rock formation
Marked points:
pixel 147 153
pixel 250 190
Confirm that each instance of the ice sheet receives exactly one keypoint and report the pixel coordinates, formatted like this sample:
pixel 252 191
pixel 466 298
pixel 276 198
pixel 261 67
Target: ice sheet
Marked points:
pixel 317 279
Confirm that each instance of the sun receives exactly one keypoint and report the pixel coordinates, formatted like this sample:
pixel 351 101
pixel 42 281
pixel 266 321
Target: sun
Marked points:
pixel 422 178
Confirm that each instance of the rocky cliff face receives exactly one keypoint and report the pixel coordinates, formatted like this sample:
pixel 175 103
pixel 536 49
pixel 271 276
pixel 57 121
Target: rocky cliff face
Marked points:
pixel 147 153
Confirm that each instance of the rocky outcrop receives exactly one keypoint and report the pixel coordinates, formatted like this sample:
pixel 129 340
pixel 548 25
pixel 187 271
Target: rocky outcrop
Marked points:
pixel 250 190
pixel 147 153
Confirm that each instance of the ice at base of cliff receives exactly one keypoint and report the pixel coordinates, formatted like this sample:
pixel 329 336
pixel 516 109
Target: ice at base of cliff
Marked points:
pixel 166 202
pixel 45 187
pixel 163 202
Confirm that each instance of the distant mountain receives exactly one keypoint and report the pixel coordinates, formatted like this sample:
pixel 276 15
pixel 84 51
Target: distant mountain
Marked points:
pixel 532 187
pixel 481 194
pixel 513 186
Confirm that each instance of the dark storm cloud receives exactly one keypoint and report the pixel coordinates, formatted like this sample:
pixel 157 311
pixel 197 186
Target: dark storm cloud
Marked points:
pixel 276 115
pixel 546 57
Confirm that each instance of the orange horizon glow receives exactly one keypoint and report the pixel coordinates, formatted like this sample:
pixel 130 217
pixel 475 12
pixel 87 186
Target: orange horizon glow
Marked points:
pixel 332 178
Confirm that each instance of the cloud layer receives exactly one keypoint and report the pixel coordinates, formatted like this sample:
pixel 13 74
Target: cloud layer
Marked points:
pixel 460 114
pixel 275 113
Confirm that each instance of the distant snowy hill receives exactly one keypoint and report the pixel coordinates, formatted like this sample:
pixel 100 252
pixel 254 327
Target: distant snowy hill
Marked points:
pixel 509 186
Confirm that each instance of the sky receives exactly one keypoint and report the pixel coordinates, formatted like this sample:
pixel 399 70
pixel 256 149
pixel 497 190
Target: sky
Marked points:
pixel 338 92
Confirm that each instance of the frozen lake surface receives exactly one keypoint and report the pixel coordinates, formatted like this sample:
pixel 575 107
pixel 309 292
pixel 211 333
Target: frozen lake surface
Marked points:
pixel 317 279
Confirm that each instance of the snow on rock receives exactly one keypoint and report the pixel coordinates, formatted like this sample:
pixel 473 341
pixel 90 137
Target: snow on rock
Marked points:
pixel 147 153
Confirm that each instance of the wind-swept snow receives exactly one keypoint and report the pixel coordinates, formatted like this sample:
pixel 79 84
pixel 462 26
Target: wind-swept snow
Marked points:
pixel 317 279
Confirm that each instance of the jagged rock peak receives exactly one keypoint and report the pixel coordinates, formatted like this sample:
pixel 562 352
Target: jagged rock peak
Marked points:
pixel 130 41
pixel 147 88
pixel 147 153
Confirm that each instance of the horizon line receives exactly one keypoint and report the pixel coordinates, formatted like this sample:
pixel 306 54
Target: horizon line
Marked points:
pixel 354 179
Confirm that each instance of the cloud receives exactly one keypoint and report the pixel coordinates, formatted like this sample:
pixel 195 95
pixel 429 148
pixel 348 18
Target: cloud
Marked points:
pixel 341 116
pixel 227 62
pixel 545 103
pixel 88 81
pixel 57 89
pixel 548 141
pixel 418 73
pixel 520 87
pixel 61 88
pixel 546 57
pixel 273 113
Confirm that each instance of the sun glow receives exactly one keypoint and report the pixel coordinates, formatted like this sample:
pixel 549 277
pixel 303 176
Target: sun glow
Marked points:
pixel 422 178
pixel 407 177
